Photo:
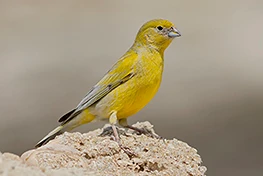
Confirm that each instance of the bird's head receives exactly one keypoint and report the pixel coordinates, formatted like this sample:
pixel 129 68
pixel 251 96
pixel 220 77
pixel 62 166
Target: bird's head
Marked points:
pixel 157 33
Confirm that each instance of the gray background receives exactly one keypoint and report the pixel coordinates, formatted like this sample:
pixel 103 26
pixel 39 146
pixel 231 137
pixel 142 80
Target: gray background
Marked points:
pixel 53 52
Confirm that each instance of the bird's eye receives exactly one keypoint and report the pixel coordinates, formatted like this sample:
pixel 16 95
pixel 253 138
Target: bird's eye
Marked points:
pixel 160 28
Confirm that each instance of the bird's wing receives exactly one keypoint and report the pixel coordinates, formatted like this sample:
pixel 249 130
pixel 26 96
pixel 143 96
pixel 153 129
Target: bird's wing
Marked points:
pixel 121 72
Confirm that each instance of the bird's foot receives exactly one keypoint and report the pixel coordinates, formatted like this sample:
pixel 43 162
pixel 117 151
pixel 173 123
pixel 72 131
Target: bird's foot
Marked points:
pixel 109 131
pixel 145 131
pixel 127 150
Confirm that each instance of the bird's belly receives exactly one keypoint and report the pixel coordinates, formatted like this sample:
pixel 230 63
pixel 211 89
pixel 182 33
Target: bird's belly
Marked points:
pixel 128 99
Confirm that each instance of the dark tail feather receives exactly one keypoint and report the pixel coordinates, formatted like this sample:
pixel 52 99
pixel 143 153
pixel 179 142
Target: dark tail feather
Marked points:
pixel 66 116
pixel 64 120
pixel 50 136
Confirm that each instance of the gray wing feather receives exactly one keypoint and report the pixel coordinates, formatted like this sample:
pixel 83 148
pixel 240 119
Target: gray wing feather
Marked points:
pixel 99 92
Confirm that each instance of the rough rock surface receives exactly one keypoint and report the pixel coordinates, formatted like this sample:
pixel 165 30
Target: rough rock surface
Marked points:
pixel 89 154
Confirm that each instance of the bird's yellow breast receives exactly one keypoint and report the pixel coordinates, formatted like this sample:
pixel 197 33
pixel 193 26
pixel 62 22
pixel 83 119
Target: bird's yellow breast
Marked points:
pixel 133 95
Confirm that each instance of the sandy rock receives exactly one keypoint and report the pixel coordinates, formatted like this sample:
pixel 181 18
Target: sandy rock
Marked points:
pixel 12 165
pixel 89 154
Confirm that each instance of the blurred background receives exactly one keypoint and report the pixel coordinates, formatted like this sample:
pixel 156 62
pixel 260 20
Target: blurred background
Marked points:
pixel 53 52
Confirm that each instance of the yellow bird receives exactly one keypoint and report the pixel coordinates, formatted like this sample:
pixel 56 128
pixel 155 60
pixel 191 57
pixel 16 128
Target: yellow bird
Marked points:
pixel 128 86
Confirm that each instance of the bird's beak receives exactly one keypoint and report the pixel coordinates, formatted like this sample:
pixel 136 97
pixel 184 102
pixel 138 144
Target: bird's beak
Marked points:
pixel 174 33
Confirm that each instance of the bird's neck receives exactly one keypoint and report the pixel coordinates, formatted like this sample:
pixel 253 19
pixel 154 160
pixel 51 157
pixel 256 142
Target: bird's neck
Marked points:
pixel 138 47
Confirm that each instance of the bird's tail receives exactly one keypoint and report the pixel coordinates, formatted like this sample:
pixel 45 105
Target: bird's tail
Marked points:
pixel 50 136
pixel 69 121
pixel 59 130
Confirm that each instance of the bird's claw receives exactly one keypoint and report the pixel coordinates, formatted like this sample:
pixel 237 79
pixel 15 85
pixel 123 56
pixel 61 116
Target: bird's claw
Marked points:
pixel 146 132
pixel 109 132
pixel 128 151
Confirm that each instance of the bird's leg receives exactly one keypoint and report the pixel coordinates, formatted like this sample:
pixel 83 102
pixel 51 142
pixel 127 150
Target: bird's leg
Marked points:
pixel 113 121
pixel 145 131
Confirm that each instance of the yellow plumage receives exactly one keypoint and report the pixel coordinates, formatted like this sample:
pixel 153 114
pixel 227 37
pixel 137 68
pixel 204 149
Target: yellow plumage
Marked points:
pixel 129 85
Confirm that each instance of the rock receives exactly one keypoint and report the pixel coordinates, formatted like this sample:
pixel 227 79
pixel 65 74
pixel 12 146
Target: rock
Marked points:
pixel 12 165
pixel 89 154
